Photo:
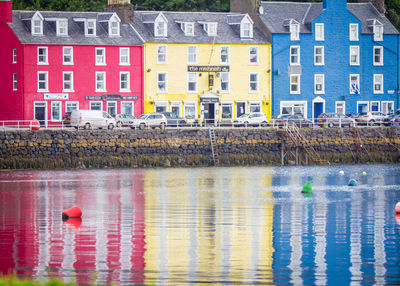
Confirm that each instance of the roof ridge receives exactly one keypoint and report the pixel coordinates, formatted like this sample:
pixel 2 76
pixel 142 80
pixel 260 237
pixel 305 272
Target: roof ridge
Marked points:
pixel 306 13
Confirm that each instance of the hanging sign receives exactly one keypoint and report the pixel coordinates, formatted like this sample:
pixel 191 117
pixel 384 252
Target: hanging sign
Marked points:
pixel 208 68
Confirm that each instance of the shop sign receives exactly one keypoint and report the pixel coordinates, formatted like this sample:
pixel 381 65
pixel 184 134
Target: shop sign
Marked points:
pixel 58 96
pixel 111 97
pixel 208 68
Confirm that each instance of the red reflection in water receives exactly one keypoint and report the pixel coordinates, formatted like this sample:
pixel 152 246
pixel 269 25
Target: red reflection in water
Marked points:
pixel 34 241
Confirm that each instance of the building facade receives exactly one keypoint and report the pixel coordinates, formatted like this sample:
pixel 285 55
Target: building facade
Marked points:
pixel 54 62
pixel 331 57
pixel 204 67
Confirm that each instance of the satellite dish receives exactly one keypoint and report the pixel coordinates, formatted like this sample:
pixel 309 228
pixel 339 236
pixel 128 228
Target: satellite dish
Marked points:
pixel 261 10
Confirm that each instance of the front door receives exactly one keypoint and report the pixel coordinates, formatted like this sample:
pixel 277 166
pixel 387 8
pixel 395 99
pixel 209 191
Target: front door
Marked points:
pixel 209 112
pixel 318 109
pixel 240 109
pixel 40 112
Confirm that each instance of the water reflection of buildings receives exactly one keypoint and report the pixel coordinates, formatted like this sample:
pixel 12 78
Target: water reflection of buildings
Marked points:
pixel 197 225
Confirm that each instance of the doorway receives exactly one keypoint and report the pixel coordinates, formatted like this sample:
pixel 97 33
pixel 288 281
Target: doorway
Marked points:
pixel 209 113
pixel 40 112
pixel 240 109
pixel 318 109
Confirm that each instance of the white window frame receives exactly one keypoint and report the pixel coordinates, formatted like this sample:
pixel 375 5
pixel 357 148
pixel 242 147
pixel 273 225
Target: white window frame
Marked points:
pixel 113 31
pixel 128 84
pixel 297 84
pixel 228 104
pixel 337 108
pixel 294 31
pixel 376 103
pixel 387 107
pixel 322 55
pixel 246 29
pixel 353 32
pixel 62 27
pixel 160 28
pixel 45 56
pixel 319 79
pixel 378 79
pixel 212 29
pixel 90 28
pixel 73 103
pixel 378 32
pixel 192 54
pixel 253 54
pixel 365 103
pixel 65 49
pixel 257 82
pixel 15 81
pixel 100 59
pixel 224 78
pixel 37 25
pixel 124 59
pixel 294 63
pixel 102 82
pixel 45 81
pixel 112 104
pixel 380 62
pixel 56 105
pixel 293 105
pixel 162 51
pixel 165 90
pixel 190 104
pixel 319 32
pixel 131 103
pixel 192 79
pixel 97 102
pixel 352 91
pixel 226 48
pixel 71 81
pixel 188 28
pixel 255 106
pixel 14 56
pixel 357 54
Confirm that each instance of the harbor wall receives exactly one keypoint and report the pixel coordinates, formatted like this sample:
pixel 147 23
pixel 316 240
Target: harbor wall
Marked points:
pixel 187 147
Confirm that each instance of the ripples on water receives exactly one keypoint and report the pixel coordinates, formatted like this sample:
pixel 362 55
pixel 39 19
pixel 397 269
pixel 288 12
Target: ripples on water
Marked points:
pixel 207 225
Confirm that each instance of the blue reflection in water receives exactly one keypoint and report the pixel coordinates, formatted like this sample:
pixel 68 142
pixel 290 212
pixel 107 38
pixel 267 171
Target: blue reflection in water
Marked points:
pixel 204 225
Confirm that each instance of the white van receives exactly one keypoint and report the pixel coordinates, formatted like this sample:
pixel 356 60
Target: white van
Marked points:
pixel 89 119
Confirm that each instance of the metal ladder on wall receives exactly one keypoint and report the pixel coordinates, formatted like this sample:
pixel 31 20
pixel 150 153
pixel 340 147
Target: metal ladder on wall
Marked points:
pixel 299 140
pixel 213 143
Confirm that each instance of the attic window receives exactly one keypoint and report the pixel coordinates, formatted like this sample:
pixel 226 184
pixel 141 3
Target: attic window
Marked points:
pixel 113 28
pixel 37 24
pixel 62 27
pixel 246 30
pixel 378 31
pixel 294 31
pixel 187 28
pixel 211 28
pixel 160 28
pixel 90 27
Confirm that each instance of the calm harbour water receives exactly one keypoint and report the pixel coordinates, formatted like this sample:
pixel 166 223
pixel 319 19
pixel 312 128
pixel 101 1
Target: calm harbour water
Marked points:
pixel 248 226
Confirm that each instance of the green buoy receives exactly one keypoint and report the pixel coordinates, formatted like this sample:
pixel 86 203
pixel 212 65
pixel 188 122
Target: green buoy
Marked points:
pixel 307 188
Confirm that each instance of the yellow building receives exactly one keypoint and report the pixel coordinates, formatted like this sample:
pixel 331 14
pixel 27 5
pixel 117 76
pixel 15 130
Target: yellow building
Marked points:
pixel 204 66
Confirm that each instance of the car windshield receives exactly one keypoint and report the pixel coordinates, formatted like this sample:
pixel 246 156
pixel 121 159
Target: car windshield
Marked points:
pixel 244 115
pixel 143 116
pixel 130 116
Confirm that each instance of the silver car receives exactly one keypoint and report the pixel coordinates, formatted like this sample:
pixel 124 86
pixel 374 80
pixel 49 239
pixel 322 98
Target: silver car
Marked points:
pixel 370 118
pixel 252 119
pixel 150 120
pixel 124 120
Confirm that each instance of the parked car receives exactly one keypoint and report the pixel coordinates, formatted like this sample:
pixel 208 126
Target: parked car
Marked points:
pixel 370 118
pixel 89 119
pixel 392 120
pixel 335 119
pixel 174 120
pixel 289 119
pixel 352 115
pixel 124 120
pixel 252 119
pixel 67 118
pixel 152 120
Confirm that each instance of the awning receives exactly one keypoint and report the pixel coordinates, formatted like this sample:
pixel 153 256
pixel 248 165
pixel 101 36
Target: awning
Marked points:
pixel 209 97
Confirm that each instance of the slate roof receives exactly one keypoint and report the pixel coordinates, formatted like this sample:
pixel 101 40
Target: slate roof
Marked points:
pixel 276 13
pixel 228 29
pixel 76 34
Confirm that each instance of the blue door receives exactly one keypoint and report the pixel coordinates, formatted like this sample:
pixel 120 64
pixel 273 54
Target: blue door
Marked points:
pixel 362 107
pixel 318 109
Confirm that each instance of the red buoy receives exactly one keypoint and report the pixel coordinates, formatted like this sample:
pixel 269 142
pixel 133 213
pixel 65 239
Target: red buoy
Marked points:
pixel 35 124
pixel 397 208
pixel 73 212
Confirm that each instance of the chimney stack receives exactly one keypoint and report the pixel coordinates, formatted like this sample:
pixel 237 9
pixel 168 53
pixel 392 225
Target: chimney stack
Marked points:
pixel 123 8
pixel 6 11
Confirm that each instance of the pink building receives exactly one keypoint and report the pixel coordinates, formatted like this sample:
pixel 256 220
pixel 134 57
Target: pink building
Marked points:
pixel 54 62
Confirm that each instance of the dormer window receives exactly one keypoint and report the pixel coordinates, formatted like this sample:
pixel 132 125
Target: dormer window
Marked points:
pixel 294 31
pixel 90 27
pixel 246 27
pixel 211 29
pixel 187 28
pixel 160 26
pixel 62 27
pixel 37 24
pixel 378 31
pixel 114 28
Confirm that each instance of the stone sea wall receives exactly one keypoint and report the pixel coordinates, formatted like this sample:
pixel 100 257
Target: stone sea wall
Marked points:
pixel 59 149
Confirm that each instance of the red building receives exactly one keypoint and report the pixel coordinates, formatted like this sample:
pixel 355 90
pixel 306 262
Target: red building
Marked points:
pixel 54 62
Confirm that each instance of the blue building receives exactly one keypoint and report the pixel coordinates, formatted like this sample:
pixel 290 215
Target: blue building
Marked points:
pixel 330 57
